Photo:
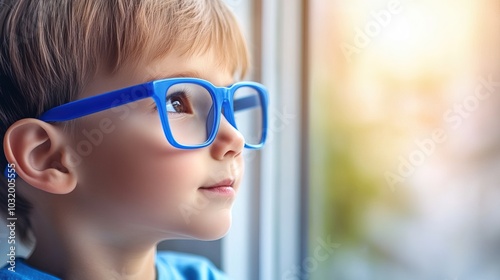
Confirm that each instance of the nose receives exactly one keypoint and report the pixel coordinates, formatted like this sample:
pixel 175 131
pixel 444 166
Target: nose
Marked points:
pixel 228 143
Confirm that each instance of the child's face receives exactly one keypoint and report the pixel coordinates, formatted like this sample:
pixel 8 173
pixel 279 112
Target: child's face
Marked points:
pixel 133 181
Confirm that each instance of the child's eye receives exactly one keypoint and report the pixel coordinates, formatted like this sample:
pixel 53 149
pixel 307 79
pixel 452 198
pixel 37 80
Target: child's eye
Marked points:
pixel 178 102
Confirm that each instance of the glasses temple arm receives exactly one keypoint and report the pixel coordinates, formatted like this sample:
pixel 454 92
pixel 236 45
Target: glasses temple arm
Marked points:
pixel 244 103
pixel 98 103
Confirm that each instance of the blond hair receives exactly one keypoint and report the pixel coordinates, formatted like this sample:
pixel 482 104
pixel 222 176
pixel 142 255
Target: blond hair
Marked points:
pixel 51 48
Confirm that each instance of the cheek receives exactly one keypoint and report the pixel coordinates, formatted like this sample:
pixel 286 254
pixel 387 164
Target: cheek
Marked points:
pixel 135 173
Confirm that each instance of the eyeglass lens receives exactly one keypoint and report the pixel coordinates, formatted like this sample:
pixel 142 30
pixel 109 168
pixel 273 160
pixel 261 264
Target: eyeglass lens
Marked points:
pixel 190 111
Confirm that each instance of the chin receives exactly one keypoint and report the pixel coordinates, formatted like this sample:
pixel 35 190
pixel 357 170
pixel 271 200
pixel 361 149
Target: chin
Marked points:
pixel 213 229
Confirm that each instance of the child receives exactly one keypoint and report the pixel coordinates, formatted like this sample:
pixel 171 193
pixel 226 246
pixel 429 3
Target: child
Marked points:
pixel 120 119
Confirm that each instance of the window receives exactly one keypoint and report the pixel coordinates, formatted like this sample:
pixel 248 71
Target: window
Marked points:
pixel 264 242
pixel 404 140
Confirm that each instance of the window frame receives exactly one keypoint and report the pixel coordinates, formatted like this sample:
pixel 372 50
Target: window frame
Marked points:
pixel 268 239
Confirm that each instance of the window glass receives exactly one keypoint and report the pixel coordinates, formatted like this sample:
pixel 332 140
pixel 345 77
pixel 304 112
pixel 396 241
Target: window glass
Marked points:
pixel 404 140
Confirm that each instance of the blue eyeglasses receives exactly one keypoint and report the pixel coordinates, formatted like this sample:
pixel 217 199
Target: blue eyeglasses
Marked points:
pixel 190 109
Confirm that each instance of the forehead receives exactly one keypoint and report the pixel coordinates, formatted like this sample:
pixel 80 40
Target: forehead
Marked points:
pixel 206 66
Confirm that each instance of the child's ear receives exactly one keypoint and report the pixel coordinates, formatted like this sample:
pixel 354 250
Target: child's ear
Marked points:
pixel 41 159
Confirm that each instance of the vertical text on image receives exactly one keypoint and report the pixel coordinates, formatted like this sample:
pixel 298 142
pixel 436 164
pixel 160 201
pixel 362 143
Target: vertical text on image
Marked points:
pixel 11 217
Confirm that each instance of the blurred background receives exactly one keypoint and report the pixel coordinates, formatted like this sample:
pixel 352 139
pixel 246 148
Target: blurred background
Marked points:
pixel 404 139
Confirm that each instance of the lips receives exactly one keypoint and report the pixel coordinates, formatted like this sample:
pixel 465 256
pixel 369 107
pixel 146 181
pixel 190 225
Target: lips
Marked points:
pixel 224 187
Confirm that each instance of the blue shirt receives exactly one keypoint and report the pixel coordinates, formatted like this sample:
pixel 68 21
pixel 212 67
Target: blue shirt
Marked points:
pixel 169 266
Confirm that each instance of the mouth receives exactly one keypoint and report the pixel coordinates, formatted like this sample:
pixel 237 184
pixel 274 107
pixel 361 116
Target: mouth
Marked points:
pixel 223 188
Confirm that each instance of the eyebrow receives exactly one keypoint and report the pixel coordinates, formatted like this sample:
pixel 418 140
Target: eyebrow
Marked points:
pixel 185 74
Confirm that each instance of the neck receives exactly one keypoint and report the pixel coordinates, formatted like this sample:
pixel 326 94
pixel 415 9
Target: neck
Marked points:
pixel 71 251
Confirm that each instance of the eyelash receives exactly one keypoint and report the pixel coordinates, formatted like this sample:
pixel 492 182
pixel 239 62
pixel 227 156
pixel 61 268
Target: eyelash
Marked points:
pixel 184 90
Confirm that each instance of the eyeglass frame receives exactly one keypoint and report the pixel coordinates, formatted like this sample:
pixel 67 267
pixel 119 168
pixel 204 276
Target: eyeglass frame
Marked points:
pixel 222 99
